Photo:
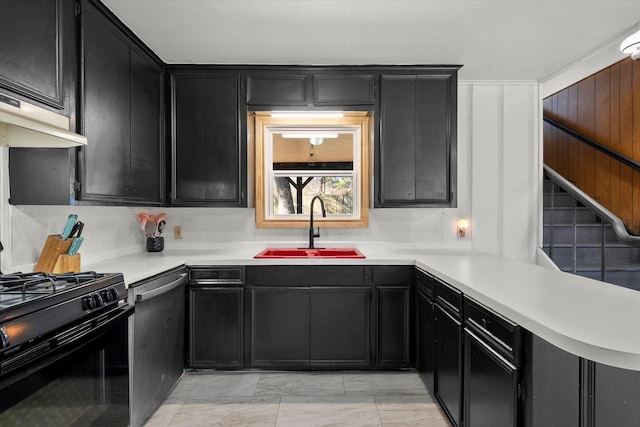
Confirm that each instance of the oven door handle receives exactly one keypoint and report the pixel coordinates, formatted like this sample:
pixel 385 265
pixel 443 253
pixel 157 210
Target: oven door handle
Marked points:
pixel 144 296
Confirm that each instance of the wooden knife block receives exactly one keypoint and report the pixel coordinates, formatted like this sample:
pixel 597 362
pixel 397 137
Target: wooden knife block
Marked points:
pixel 54 257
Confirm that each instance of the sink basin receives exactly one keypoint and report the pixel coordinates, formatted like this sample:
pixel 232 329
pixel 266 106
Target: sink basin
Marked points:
pixel 310 253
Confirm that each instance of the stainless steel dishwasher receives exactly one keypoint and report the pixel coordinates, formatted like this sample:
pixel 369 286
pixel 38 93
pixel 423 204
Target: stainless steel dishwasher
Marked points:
pixel 157 340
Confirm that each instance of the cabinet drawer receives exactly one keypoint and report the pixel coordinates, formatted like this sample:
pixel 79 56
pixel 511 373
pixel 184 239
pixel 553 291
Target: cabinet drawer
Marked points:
pixel 498 331
pixel 219 275
pixel 448 297
pixel 424 283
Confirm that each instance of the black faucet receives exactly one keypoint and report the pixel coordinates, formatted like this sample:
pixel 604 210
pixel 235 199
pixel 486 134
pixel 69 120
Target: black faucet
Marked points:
pixel 324 214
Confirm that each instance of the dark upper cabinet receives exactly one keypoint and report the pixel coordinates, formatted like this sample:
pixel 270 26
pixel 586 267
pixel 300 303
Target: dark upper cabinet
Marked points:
pixel 147 122
pixel 416 145
pixel 122 162
pixel 310 87
pixel 36 44
pixel 209 139
pixel 342 89
pixel 277 89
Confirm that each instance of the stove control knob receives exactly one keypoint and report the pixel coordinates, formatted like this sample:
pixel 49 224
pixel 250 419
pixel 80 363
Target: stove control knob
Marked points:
pixel 114 294
pixel 98 300
pixel 4 338
pixel 88 303
pixel 106 296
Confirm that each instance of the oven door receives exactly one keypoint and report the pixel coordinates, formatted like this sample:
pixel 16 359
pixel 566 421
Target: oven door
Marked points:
pixel 82 381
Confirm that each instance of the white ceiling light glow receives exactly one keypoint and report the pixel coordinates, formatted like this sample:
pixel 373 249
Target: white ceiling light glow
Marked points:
pixel 307 114
pixel 309 135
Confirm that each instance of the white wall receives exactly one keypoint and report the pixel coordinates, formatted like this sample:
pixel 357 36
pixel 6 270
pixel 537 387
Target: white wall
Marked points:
pixel 501 127
pixel 498 174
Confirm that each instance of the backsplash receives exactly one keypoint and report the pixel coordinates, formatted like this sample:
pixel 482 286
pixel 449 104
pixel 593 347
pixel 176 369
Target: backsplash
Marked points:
pixel 112 231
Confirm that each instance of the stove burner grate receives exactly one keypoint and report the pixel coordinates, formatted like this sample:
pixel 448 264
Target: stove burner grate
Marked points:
pixel 43 282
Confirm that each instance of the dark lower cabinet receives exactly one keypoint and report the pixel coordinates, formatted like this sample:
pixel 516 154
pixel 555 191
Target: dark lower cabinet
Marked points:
pixel 448 364
pixel 339 327
pixel 448 353
pixel 490 386
pixel 425 331
pixel 616 396
pixel 554 385
pixel 393 326
pixel 321 327
pixel 280 327
pixel 216 327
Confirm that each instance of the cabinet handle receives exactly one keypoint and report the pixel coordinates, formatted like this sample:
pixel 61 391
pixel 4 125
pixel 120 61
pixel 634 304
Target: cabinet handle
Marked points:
pixel 490 349
pixel 161 290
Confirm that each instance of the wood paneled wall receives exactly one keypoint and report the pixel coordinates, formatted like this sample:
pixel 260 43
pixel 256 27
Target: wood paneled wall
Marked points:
pixel 605 107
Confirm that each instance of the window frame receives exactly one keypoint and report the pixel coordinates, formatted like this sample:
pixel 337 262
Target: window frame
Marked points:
pixel 357 122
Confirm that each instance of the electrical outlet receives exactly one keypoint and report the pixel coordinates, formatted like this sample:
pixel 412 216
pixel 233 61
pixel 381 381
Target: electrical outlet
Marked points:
pixel 177 232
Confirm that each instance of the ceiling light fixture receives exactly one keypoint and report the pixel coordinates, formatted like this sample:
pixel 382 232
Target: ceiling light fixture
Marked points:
pixel 631 45
pixel 307 114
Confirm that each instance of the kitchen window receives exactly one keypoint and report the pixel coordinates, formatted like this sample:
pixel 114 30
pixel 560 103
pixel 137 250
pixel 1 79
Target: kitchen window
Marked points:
pixel 297 159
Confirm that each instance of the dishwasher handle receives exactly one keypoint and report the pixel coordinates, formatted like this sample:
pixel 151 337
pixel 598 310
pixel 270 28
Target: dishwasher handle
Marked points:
pixel 144 296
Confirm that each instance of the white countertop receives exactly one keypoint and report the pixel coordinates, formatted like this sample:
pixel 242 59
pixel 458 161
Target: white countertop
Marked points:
pixel 591 319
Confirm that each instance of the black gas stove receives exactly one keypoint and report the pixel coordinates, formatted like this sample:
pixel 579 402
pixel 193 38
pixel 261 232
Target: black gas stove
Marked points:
pixel 64 357
pixel 33 306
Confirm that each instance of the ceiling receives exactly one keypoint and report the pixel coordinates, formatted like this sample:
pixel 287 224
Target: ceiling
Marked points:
pixel 493 40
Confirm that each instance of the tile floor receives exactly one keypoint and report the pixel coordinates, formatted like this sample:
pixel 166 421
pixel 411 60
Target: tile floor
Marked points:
pixel 304 399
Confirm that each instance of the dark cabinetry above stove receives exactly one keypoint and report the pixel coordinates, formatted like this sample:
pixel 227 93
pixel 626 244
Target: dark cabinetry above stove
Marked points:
pixel 122 115
pixel 37 48
pixel 126 107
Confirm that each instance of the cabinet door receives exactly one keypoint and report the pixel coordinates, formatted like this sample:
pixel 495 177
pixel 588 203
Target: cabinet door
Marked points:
pixel 277 89
pixel 416 148
pixel 490 386
pixel 32 47
pixel 280 327
pixel 616 396
pixel 343 89
pixel 448 363
pixel 393 326
pixel 555 386
pixel 106 170
pixel 146 133
pixel 207 153
pixel 339 322
pixel 216 327
pixel 426 339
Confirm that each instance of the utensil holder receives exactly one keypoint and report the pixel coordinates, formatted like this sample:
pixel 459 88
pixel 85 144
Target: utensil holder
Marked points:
pixel 54 257
pixel 155 244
